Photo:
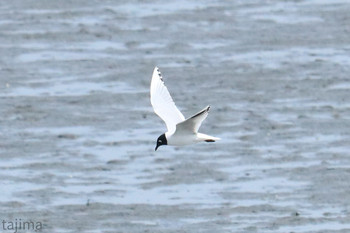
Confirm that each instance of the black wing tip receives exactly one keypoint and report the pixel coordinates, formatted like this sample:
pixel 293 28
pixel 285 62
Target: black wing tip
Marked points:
pixel 158 72
pixel 157 69
pixel 206 109
pixel 201 112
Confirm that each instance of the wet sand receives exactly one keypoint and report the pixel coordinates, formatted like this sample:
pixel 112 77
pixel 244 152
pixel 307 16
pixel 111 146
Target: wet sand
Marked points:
pixel 78 132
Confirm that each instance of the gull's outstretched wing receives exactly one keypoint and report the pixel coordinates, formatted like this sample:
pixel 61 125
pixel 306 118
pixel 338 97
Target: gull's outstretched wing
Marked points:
pixel 163 104
pixel 193 123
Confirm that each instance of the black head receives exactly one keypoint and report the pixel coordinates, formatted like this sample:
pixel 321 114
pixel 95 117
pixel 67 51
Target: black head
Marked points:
pixel 161 141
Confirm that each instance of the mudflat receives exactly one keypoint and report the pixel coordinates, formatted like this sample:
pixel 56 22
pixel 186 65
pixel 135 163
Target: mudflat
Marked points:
pixel 77 130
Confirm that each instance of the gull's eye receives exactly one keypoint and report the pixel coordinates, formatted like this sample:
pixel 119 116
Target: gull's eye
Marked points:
pixel 159 140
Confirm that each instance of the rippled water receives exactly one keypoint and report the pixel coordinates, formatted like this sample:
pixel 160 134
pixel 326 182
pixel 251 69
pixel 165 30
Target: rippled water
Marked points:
pixel 78 132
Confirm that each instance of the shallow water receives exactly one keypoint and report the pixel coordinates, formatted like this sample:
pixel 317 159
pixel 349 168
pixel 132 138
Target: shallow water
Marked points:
pixel 78 132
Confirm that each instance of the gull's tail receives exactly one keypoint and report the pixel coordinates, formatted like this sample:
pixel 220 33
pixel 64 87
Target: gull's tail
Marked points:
pixel 206 138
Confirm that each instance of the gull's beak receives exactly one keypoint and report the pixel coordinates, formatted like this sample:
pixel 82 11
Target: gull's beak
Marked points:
pixel 156 148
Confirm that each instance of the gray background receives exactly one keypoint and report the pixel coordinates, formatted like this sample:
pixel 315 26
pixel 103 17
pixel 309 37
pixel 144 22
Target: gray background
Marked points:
pixel 77 131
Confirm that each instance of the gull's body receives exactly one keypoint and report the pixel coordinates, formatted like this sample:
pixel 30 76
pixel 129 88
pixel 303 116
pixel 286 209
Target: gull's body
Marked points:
pixel 181 131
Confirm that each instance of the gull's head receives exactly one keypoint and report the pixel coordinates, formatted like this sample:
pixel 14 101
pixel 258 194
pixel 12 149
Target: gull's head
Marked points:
pixel 161 141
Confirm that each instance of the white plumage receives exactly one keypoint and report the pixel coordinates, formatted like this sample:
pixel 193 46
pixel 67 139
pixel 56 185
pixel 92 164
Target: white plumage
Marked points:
pixel 163 104
pixel 181 131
